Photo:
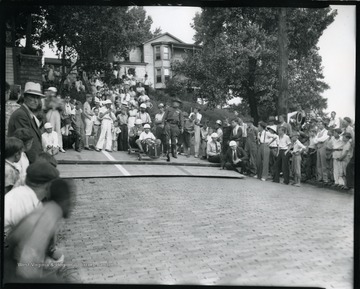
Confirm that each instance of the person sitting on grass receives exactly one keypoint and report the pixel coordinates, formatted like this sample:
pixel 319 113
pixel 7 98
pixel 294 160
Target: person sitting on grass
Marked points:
pixel 13 150
pixel 49 140
pixel 213 149
pixel 146 138
pixel 235 158
pixel 24 134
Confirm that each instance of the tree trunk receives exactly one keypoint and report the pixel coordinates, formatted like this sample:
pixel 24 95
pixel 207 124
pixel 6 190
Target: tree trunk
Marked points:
pixel 250 89
pixel 283 64
pixel 28 33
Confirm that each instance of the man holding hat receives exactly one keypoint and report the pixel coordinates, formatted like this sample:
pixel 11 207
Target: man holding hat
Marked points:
pixel 213 149
pixel 49 140
pixel 235 158
pixel 173 121
pixel 25 117
pixel 107 118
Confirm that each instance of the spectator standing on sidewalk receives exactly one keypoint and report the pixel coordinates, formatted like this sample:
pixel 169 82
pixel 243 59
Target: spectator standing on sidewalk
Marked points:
pixel 25 117
pixel 88 114
pixel 321 163
pixel 251 145
pixel 282 161
pixel 197 136
pixel 107 117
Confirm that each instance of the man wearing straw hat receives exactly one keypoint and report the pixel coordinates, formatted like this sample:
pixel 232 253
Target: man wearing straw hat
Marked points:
pixel 25 117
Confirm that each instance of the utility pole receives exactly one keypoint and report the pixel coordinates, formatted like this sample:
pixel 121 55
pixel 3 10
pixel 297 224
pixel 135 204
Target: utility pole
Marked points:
pixel 283 63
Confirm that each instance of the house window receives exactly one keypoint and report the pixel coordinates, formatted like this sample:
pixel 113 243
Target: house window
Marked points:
pixel 158 75
pixel 157 53
pixel 166 52
pixel 167 74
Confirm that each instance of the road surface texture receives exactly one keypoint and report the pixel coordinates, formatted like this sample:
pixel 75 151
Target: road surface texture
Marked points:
pixel 209 231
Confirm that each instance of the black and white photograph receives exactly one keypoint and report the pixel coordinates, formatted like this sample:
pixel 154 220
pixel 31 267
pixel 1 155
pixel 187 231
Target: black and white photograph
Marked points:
pixel 179 145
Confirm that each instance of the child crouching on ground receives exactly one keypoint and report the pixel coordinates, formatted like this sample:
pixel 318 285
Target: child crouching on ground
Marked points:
pixel 13 149
pixel 297 149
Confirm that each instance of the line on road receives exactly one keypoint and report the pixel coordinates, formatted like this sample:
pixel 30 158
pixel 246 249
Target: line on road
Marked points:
pixel 119 167
pixel 184 170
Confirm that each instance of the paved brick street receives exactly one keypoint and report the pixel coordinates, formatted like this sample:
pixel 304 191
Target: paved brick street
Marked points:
pixel 209 231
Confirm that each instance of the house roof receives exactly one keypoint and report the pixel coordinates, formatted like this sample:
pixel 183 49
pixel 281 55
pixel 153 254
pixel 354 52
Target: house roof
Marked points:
pixel 161 35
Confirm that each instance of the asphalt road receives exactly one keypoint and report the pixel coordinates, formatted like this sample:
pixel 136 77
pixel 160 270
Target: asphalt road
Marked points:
pixel 209 231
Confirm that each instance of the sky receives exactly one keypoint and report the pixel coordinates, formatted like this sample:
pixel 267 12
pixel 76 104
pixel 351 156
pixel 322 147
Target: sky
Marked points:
pixel 337 49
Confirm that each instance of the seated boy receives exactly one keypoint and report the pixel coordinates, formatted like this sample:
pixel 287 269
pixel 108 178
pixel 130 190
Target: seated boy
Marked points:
pixel 13 149
pixel 49 140
pixel 135 132
pixel 146 137
pixel 24 134
pixel 213 149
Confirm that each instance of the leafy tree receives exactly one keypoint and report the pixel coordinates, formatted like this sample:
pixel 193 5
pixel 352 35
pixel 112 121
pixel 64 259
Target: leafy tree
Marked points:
pixel 91 33
pixel 241 52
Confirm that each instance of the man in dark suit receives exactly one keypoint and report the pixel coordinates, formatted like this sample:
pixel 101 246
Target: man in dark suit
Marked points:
pixel 25 117
pixel 236 132
pixel 235 158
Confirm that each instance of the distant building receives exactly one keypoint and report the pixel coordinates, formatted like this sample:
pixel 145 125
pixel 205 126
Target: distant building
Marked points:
pixel 57 63
pixel 154 58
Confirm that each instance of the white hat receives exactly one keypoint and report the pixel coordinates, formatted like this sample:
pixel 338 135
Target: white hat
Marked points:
pixel 161 105
pixel 143 105
pixel 147 126
pixel 219 122
pixel 108 101
pixel 273 127
pixel 214 135
pixel 232 143
pixel 33 88
pixel 138 121
pixel 97 99
pixel 48 125
pixel 53 89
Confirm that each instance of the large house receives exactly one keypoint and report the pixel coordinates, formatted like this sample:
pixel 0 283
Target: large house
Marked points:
pixel 154 58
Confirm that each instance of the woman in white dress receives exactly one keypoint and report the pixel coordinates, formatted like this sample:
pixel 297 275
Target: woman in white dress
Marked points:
pixel 132 115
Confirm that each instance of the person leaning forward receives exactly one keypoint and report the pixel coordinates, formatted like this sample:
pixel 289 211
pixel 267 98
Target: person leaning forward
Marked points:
pixel 173 121
pixel 235 158
pixel 25 117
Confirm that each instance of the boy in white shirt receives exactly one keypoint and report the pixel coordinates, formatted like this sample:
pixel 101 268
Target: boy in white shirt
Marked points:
pixel 96 124
pixel 297 149
pixel 49 140
pixel 13 150
pixel 337 147
pixel 145 137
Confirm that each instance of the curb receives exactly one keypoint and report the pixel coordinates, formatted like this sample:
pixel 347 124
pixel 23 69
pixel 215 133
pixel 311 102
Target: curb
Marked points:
pixel 165 163
pixel 158 176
